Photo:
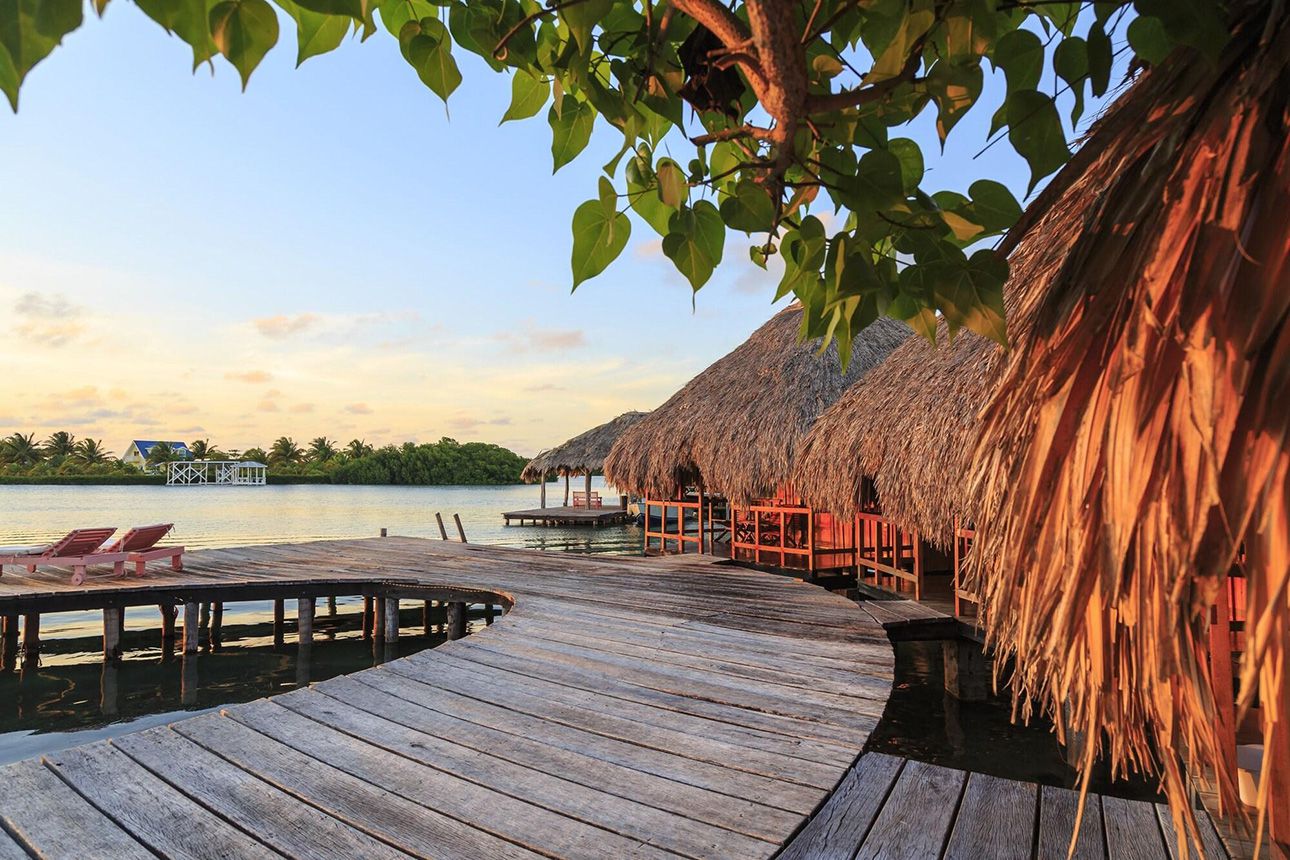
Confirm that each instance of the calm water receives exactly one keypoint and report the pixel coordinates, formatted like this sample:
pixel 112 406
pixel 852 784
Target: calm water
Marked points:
pixel 71 697
pixel 233 516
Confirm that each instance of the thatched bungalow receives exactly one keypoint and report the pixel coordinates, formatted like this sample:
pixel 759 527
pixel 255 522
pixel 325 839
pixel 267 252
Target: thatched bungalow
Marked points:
pixel 732 433
pixel 1127 462
pixel 581 455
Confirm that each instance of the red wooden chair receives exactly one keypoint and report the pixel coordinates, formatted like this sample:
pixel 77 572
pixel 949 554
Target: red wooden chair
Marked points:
pixel 81 547
pixel 140 546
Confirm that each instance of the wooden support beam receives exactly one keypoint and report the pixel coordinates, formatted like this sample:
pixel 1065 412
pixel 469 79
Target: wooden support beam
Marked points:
pixel 279 613
pixel 456 619
pixel 391 620
pixel 427 616
pixel 112 632
pixel 367 616
pixel 488 614
pixel 443 532
pixel 566 490
pixel 587 494
pixel 461 532
pixel 543 494
pixel 384 533
pixel 305 620
pixel 378 619
pixel 10 656
pixel 30 637
pixel 168 614
pixel 191 612
pixel 217 624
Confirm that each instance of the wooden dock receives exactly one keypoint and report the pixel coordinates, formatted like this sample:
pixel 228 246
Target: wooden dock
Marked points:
pixel 624 707
pixel 568 516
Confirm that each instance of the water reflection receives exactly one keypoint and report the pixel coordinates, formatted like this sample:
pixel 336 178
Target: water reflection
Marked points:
pixel 73 696
pixel 923 722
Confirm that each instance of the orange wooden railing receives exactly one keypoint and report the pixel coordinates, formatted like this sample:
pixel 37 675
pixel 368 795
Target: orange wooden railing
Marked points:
pixel 890 554
pixel 658 538
pixel 964 534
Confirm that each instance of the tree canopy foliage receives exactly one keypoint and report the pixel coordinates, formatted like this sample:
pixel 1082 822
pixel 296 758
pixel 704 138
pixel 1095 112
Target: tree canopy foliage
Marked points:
pixel 785 108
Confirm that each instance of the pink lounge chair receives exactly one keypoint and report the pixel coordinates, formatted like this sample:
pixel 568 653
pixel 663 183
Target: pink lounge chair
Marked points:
pixel 79 548
pixel 140 546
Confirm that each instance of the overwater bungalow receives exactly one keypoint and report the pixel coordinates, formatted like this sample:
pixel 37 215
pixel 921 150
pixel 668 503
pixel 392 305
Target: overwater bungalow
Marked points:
pixel 714 464
pixel 1113 487
pixel 584 455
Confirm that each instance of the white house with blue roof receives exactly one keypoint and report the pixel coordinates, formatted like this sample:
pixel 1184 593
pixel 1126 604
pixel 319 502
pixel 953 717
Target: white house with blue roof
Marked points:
pixel 137 453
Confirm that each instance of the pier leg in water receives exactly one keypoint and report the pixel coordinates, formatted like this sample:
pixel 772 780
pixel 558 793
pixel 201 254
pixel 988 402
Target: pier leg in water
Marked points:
pixel 217 625
pixel 425 616
pixel 305 621
pixel 488 614
pixel 367 616
pixel 331 605
pixel 204 625
pixel 30 639
pixel 168 613
pixel 456 619
pixel 277 622
pixel 461 532
pixel 188 681
pixel 967 677
pixel 378 619
pixel 112 633
pixel 443 532
pixel 191 613
pixel 304 656
pixel 10 656
pixel 391 620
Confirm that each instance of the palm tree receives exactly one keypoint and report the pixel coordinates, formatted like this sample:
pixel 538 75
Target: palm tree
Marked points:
pixel 255 455
pixel 161 454
pixel 284 451
pixel 21 449
pixel 201 449
pixel 322 449
pixel 357 448
pixel 91 452
pixel 60 444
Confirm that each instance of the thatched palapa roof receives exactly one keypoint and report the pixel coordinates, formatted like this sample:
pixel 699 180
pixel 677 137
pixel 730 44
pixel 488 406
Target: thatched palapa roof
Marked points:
pixel 735 428
pixel 583 453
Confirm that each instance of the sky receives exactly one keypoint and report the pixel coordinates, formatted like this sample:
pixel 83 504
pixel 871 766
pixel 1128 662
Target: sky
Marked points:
pixel 334 253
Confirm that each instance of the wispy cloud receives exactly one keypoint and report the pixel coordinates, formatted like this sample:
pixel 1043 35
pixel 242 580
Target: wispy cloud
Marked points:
pixel 534 339
pixel 282 326
pixel 267 405
pixel 48 319
pixel 301 408
pixel 255 377
pixel 358 409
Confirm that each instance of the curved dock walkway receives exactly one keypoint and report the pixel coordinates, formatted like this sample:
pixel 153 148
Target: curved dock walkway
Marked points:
pixel 622 708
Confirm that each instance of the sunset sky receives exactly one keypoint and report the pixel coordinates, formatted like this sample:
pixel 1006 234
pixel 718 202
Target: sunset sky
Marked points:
pixel 331 253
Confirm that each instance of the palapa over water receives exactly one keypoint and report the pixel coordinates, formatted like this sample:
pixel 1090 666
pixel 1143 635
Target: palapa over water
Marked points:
pixel 1134 439
pixel 734 429
pixel 583 454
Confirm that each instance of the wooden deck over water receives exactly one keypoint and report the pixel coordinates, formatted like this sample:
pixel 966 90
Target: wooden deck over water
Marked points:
pixel 568 516
pixel 623 708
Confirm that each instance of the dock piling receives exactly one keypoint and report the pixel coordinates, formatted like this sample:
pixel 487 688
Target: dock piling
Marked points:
pixel 112 623
pixel 426 616
pixel 443 532
pixel 167 622
pixel 30 638
pixel 305 620
pixel 385 532
pixel 191 612
pixel 391 620
pixel 217 624
pixel 279 611
pixel 460 531
pixel 10 656
pixel 367 616
pixel 378 619
pixel 456 619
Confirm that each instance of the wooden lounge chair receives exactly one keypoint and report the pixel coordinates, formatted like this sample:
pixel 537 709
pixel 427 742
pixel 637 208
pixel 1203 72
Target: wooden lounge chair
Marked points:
pixel 140 546
pixel 81 547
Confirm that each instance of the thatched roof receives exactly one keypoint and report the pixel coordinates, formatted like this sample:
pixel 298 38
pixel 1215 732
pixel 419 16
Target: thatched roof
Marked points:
pixel 735 428
pixel 583 453
pixel 1136 436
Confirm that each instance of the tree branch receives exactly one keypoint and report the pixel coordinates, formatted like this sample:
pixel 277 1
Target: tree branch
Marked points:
pixel 863 95
pixel 730 30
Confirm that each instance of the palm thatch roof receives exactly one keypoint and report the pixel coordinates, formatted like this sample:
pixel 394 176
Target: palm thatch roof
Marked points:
pixel 583 453
pixel 1136 437
pixel 734 428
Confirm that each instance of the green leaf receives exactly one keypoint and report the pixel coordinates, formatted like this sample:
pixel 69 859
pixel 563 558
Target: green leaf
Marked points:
pixel 749 208
pixel 599 236
pixel 427 47
pixel 993 205
pixel 396 13
pixel 1199 23
pixel 970 294
pixel 1021 56
pixel 188 20
pixel 315 33
pixel 695 241
pixel 244 31
pixel 910 156
pixel 29 30
pixel 954 89
pixel 1148 39
pixel 355 9
pixel 528 95
pixel 877 183
pixel 1100 58
pixel 570 130
pixel 914 25
pixel 581 17
pixel 673 188
pixel 1036 133
pixel 1070 62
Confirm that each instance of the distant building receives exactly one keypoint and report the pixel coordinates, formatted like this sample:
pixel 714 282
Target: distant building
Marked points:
pixel 137 453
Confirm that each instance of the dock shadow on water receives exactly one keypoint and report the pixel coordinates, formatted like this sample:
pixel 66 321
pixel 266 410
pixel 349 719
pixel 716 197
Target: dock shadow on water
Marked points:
pixel 924 722
pixel 72 696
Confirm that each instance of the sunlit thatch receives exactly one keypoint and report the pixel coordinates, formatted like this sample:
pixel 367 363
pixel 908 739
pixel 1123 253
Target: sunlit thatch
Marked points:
pixel 735 428
pixel 583 453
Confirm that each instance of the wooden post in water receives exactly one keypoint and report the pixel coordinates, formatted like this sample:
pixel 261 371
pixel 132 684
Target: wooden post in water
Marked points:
pixel 108 699
pixel 384 533
pixel 30 637
pixel 167 622
pixel 204 624
pixel 543 490
pixel 378 619
pixel 367 616
pixel 278 617
pixel 188 678
pixel 391 620
pixel 443 532
pixel 10 656
pixel 566 489
pixel 305 620
pixel 112 633
pixel 587 492
pixel 191 612
pixel 488 614
pixel 456 619
pixel 331 605
pixel 460 531
pixel 217 624
pixel 426 616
